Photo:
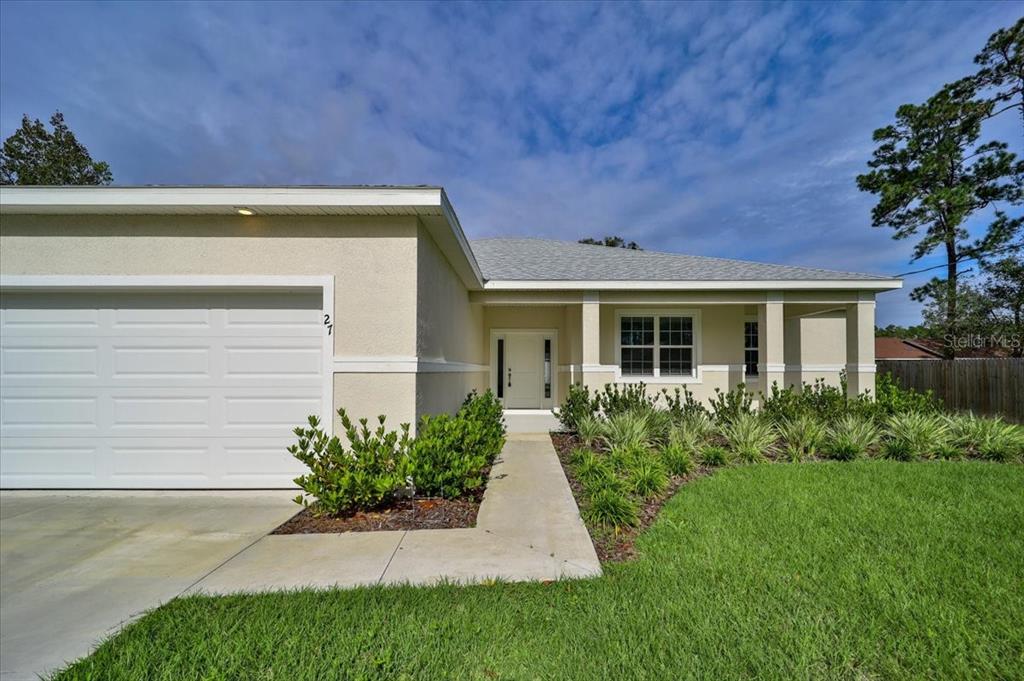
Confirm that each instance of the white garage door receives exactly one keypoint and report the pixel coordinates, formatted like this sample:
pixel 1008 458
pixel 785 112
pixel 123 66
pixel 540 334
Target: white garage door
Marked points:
pixel 149 389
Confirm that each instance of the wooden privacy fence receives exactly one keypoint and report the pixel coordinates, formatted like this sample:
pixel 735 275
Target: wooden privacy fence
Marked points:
pixel 984 386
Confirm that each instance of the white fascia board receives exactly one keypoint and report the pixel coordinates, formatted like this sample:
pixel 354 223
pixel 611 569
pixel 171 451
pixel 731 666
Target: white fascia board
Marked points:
pixel 707 285
pixel 61 199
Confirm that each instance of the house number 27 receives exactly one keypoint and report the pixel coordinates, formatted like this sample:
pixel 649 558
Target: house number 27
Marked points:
pixel 328 323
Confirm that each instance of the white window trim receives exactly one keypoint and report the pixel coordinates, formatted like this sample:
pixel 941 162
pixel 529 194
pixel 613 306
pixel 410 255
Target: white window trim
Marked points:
pixel 695 377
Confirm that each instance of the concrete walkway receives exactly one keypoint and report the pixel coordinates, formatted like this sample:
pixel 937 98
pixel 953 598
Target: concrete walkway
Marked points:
pixel 528 529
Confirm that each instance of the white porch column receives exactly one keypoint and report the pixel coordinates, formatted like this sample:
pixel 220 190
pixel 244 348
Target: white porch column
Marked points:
pixel 860 345
pixel 771 365
pixel 593 375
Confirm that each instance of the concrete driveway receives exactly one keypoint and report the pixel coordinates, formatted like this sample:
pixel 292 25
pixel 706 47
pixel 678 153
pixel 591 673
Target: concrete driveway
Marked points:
pixel 76 566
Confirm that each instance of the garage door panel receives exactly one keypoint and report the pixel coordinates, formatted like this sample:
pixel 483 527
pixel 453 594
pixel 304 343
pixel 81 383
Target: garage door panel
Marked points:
pixel 159 394
pixel 49 358
pixel 27 413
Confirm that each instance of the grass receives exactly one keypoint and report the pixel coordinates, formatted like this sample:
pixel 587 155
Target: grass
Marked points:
pixel 863 570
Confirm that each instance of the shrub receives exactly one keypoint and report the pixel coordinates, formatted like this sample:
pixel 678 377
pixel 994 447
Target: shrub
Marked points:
pixel 819 399
pixel 850 437
pixel 627 429
pixel 987 438
pixel 576 406
pixel 363 476
pixel 891 398
pixel 677 459
pixel 802 434
pixel 623 458
pixel 611 508
pixel 627 398
pixel 590 429
pixel 590 468
pixel 715 455
pixel 647 476
pixel 910 435
pixel 659 426
pixel 450 453
pixel 727 406
pixel 681 404
pixel 693 430
pixel 749 436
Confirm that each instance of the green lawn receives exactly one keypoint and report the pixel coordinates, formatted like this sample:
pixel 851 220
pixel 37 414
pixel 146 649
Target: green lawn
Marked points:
pixel 865 570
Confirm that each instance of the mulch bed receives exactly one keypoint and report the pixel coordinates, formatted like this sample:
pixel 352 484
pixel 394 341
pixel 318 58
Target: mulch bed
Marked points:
pixel 404 514
pixel 616 547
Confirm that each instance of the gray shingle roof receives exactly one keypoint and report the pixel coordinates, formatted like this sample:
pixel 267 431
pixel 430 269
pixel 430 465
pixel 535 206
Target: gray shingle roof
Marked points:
pixel 547 260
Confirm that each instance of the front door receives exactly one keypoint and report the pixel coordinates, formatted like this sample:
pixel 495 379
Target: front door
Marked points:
pixel 526 370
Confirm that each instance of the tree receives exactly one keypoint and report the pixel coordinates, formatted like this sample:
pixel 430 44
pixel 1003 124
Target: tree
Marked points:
pixel 1002 69
pixel 34 155
pixel 1005 292
pixel 613 242
pixel 931 174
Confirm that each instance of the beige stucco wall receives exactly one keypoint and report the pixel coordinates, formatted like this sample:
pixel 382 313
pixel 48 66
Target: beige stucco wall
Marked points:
pixel 815 346
pixel 353 249
pixel 374 261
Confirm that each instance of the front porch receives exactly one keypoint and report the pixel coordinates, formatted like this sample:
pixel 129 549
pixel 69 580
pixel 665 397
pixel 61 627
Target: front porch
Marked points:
pixel 538 343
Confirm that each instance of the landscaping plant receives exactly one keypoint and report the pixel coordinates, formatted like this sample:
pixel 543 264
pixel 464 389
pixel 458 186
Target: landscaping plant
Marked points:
pixel 851 437
pixel 589 428
pixel 728 405
pixel 627 429
pixel 912 435
pixel 677 459
pixel 802 435
pixel 646 476
pixel 715 455
pixel 361 476
pixel 749 436
pixel 612 509
pixel 577 405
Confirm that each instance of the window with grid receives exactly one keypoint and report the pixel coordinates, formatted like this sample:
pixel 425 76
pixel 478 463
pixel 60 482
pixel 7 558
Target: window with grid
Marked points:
pixel 750 356
pixel 669 352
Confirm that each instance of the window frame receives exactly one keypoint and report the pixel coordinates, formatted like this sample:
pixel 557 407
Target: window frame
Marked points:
pixel 656 377
pixel 757 348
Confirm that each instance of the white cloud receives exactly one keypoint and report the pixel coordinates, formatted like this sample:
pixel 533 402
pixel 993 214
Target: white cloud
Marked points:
pixel 733 130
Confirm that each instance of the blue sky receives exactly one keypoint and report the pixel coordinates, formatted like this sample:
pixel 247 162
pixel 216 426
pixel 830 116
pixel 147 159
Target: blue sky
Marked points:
pixel 728 130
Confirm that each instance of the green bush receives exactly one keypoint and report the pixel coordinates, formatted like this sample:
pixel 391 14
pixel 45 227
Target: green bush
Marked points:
pixel 987 438
pixel 749 436
pixel 692 431
pixel 891 398
pixel 647 476
pixel 627 429
pixel 611 508
pixel 677 459
pixel 450 453
pixel 727 406
pixel 590 469
pixel 577 405
pixel 627 398
pixel 589 428
pixel 715 455
pixel 802 434
pixel 911 435
pixel 363 476
pixel 819 399
pixel 681 404
pixel 851 437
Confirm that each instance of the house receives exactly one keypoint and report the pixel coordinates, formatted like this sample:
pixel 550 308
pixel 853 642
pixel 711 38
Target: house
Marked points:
pixel 904 348
pixel 172 337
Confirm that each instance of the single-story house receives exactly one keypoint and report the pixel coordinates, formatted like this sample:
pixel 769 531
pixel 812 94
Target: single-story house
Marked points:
pixel 172 337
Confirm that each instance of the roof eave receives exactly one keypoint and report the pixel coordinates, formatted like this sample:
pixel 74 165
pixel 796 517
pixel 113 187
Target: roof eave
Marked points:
pixel 686 285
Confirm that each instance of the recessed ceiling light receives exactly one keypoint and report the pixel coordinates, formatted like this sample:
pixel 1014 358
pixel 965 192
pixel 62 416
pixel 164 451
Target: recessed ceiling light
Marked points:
pixel 244 211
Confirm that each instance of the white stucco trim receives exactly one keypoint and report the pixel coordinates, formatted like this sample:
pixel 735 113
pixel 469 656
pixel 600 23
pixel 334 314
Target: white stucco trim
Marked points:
pixel 707 285
pixel 825 368
pixel 861 368
pixel 773 367
pixel 325 283
pixel 402 365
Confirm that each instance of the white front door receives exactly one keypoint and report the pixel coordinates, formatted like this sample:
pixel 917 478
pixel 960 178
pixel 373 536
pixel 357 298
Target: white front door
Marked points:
pixel 527 370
